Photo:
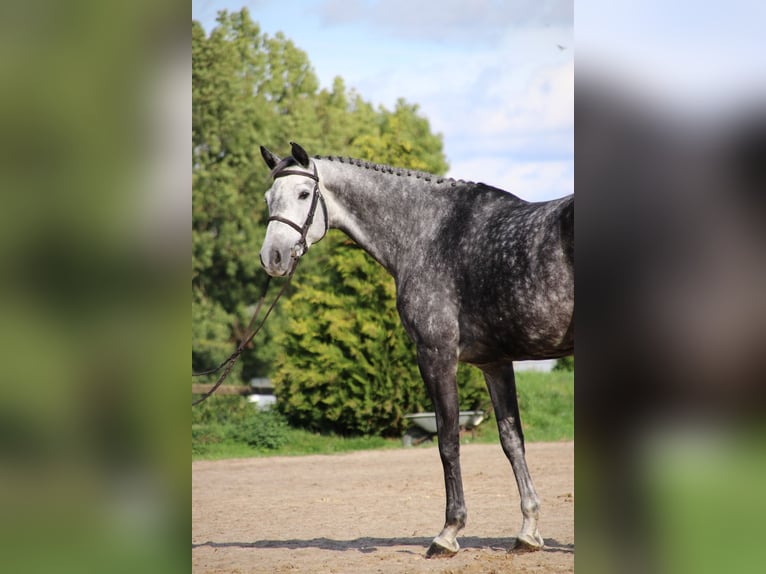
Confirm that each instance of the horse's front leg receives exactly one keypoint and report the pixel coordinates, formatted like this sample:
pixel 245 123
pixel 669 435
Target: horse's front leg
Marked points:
pixel 439 370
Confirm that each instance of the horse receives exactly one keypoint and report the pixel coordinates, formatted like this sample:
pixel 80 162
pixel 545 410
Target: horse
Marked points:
pixel 482 277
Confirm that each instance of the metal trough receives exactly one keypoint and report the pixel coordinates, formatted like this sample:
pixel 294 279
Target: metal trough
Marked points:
pixel 427 421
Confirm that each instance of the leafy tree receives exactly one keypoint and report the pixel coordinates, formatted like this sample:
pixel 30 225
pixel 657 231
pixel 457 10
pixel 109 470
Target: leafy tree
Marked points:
pixel 226 122
pixel 247 89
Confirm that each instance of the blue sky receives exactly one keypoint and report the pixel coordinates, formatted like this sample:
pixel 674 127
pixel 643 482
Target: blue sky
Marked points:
pixel 490 75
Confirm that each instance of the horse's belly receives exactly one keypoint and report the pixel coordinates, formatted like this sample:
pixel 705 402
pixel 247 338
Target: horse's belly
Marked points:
pixel 530 335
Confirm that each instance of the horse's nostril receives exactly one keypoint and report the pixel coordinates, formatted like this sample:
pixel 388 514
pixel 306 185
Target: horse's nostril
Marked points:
pixel 277 257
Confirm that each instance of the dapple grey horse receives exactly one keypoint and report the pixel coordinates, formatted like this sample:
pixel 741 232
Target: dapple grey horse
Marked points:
pixel 482 277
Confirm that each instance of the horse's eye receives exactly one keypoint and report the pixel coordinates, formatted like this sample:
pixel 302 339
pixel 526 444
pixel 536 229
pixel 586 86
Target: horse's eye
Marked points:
pixel 303 195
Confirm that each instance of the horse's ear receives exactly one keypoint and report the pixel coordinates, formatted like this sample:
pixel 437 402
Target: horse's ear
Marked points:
pixel 300 154
pixel 270 159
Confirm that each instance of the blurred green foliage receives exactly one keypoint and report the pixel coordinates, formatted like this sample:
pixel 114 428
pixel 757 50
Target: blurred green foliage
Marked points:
pixel 564 364
pixel 94 334
pixel 698 483
pixel 339 358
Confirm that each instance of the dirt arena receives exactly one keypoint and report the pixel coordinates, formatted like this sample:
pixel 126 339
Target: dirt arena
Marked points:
pixel 376 512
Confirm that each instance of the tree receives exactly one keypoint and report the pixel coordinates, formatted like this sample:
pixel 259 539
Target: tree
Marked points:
pixel 247 89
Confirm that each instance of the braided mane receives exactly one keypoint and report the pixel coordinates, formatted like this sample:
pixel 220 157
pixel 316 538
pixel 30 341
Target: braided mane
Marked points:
pixel 399 171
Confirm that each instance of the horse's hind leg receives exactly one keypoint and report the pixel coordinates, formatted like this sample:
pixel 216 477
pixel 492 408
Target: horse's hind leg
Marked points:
pixel 439 369
pixel 502 389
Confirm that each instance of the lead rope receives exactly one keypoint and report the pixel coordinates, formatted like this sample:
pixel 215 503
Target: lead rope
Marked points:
pixel 232 359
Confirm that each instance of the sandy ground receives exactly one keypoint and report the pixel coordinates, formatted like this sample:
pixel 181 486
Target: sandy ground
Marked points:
pixel 376 511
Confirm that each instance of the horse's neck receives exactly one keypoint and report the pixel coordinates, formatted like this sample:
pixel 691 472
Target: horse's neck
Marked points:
pixel 382 212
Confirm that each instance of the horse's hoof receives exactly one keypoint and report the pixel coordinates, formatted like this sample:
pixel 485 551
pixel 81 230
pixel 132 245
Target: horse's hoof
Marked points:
pixel 442 548
pixel 527 543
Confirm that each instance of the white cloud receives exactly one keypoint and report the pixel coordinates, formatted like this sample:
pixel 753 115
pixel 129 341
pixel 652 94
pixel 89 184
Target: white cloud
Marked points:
pixel 457 22
pixel 543 104
pixel 471 95
pixel 506 113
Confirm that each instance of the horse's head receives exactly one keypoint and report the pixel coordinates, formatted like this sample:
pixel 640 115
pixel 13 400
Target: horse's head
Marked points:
pixel 297 212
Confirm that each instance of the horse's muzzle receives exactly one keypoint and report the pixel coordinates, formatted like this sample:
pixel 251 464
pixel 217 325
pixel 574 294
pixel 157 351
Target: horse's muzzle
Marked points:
pixel 275 263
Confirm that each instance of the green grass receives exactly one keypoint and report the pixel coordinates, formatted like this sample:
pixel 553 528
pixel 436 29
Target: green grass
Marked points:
pixel 546 401
pixel 297 442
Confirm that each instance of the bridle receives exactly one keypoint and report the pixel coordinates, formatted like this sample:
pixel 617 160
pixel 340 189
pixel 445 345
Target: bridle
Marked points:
pixel 301 247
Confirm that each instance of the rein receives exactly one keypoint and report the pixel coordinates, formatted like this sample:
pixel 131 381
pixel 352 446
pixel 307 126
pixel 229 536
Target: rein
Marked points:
pixel 317 198
pixel 229 362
